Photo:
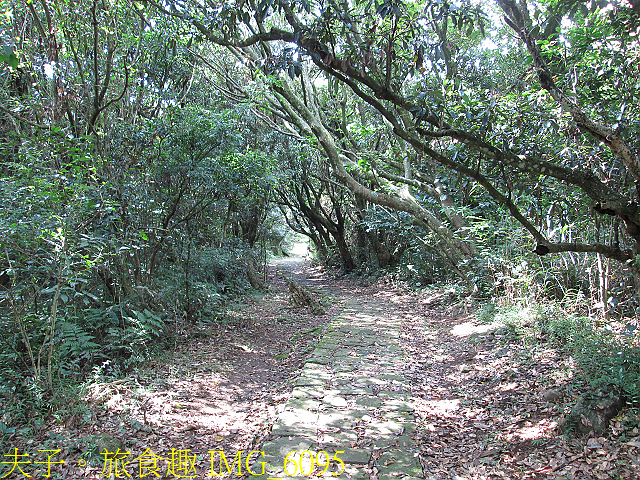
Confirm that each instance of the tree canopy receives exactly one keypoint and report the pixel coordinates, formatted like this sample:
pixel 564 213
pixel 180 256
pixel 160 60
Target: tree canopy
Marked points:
pixel 152 152
pixel 530 102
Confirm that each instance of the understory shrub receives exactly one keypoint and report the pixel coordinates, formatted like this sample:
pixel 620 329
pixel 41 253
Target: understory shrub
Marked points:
pixel 199 287
pixel 606 352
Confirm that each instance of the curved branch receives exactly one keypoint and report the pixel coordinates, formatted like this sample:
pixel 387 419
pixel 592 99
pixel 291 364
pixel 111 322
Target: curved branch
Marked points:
pixel 124 90
pixel 587 181
pixel 26 120
pixel 613 252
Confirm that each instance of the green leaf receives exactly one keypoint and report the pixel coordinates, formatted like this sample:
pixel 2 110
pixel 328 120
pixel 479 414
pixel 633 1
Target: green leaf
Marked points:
pixel 9 57
pixel 535 31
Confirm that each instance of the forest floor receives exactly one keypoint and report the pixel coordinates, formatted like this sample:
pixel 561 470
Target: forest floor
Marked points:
pixel 468 399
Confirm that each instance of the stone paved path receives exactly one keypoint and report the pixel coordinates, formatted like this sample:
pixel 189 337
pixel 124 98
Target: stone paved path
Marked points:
pixel 349 401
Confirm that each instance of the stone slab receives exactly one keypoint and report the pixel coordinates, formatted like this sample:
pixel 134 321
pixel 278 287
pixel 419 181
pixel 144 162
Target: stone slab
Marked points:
pixel 369 401
pixel 334 401
pixel 312 391
pixel 350 398
pixel 309 382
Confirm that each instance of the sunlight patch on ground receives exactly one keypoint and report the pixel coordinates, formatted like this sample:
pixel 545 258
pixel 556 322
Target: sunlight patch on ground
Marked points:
pixel 532 432
pixel 443 408
pixel 507 387
pixel 469 328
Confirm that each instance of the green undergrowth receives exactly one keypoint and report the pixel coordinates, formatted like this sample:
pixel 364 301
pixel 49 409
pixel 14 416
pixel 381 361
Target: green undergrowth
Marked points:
pixel 605 352
pixel 89 346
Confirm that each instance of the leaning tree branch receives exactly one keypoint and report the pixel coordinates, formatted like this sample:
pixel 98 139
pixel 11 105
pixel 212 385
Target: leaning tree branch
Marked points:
pixel 586 180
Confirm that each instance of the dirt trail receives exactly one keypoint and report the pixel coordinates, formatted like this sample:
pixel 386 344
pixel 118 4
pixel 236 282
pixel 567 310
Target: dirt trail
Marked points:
pixel 407 385
pixel 220 388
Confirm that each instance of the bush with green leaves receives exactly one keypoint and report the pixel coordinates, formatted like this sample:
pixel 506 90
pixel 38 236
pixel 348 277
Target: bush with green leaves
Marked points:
pixel 99 254
pixel 605 353
pixel 200 288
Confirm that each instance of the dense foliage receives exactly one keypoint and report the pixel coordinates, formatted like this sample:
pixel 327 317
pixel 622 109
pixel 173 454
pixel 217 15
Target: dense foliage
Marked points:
pixel 133 200
pixel 152 152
